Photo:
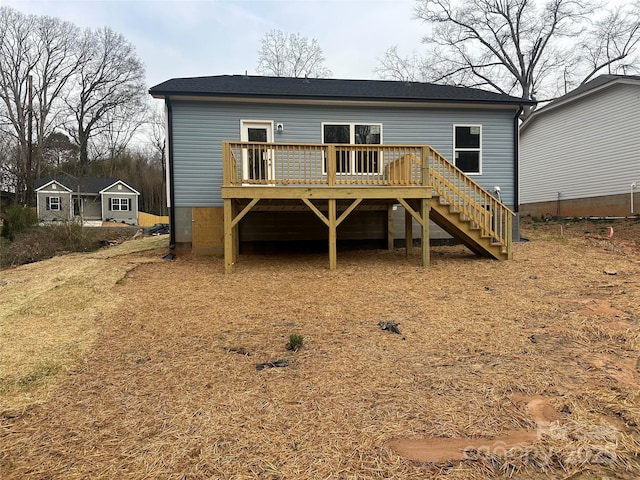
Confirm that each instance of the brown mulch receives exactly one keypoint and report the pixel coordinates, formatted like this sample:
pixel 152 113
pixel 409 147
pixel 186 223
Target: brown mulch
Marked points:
pixel 171 390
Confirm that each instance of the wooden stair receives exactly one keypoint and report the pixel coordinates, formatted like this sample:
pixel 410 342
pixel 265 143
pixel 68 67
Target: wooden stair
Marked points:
pixel 468 212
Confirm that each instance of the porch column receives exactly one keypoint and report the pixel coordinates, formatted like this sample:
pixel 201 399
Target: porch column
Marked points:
pixel 333 250
pixel 425 207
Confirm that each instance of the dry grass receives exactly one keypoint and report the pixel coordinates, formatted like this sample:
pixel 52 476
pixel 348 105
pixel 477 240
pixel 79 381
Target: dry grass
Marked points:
pixel 51 313
pixel 170 388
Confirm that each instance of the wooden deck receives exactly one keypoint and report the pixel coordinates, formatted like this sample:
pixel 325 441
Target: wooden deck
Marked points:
pixel 321 175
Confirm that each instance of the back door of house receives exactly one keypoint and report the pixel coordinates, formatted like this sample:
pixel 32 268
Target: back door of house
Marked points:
pixel 257 161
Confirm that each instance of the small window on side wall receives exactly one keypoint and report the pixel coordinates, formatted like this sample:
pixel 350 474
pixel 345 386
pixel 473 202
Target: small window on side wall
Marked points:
pixel 53 203
pixel 467 148
pixel 119 204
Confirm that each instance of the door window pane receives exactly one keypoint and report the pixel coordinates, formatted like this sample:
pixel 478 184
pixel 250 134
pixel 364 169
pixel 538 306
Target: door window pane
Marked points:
pixel 257 155
pixel 339 134
pixel 367 162
pixel 257 134
pixel 359 134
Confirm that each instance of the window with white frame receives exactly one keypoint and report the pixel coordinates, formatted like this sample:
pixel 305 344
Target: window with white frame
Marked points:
pixel 348 161
pixel 467 148
pixel 54 203
pixel 119 204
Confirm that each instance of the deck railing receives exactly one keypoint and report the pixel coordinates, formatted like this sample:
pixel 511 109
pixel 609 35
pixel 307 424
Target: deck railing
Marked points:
pixel 254 163
pixel 291 164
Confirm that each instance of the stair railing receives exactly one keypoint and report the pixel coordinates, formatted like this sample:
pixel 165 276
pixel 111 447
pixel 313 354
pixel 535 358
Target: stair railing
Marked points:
pixel 471 201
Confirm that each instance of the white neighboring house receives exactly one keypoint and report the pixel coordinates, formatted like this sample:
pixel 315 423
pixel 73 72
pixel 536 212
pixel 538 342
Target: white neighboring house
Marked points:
pixel 580 154
pixel 87 199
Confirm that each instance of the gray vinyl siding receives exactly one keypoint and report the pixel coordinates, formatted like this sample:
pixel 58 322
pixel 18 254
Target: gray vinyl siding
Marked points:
pixel 54 215
pixel 200 127
pixel 587 148
pixel 128 216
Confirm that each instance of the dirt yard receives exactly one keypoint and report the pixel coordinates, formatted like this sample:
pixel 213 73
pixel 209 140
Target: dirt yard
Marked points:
pixel 118 364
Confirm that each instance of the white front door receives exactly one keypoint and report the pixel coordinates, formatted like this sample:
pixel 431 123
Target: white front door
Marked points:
pixel 257 161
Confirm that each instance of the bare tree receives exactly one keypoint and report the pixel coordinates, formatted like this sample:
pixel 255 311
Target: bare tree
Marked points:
pixel 156 132
pixel 118 127
pixel 393 66
pixel 9 162
pixel 57 43
pixel 611 46
pixel 112 80
pixel 17 61
pixel 42 49
pixel 291 55
pixel 528 48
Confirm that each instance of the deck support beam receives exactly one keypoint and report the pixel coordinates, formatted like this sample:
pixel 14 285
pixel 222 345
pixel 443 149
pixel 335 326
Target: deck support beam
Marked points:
pixel 408 233
pixel 425 207
pixel 409 215
pixel 230 244
pixel 390 240
pixel 333 248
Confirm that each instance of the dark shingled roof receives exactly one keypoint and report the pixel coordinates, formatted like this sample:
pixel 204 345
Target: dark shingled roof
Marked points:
pixel 88 185
pixel 243 86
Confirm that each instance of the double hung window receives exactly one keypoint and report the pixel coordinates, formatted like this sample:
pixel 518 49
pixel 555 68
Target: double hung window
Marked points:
pixel 467 148
pixel 119 204
pixel 53 203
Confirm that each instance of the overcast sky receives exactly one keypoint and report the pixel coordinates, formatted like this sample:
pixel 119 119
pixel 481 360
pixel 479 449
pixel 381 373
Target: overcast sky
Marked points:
pixel 216 37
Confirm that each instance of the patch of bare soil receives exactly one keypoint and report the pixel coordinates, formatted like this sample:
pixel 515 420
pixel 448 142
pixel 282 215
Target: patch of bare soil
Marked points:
pixel 439 450
pixel 171 388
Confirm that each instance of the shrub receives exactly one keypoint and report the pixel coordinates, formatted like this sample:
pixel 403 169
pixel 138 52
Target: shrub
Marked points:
pixel 47 241
pixel 17 220
pixel 295 342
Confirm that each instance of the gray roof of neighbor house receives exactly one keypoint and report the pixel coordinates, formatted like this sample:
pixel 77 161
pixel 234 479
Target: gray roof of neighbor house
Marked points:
pixel 243 86
pixel 593 84
pixel 88 185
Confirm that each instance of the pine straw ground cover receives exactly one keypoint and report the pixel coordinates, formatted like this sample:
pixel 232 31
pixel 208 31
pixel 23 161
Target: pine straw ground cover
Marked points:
pixel 170 389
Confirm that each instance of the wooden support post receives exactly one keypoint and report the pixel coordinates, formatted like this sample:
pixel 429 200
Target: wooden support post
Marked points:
pixel 426 153
pixel 236 233
pixel 333 249
pixel 408 232
pixel 331 165
pixel 390 227
pixel 229 237
pixel 425 207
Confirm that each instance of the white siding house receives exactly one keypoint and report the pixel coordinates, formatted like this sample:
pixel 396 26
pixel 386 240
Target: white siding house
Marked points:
pixel 580 154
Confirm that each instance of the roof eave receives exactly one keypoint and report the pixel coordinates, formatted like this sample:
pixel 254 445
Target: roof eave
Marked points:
pixel 332 98
pixel 104 190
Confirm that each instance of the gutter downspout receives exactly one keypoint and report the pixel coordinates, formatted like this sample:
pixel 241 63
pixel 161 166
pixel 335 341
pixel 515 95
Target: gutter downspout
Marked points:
pixel 172 216
pixel 516 153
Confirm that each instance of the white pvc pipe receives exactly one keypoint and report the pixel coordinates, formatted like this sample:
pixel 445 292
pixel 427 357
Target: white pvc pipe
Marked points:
pixel 633 186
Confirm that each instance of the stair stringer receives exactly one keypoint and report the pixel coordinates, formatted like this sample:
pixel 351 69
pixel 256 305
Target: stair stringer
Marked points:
pixel 463 231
